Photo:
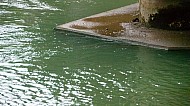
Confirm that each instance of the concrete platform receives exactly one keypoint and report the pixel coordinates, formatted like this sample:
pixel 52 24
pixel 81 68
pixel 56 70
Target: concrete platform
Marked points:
pixel 122 25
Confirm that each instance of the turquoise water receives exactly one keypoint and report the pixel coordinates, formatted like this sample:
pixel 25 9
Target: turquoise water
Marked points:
pixel 43 67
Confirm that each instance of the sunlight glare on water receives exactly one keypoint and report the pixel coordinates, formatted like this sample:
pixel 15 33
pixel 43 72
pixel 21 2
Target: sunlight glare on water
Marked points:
pixel 43 67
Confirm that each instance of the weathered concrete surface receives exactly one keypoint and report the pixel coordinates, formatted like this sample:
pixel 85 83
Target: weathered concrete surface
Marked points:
pixel 122 24
pixel 166 14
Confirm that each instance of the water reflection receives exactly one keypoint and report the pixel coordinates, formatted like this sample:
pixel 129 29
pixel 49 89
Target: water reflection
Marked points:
pixel 42 67
pixel 29 4
pixel 136 80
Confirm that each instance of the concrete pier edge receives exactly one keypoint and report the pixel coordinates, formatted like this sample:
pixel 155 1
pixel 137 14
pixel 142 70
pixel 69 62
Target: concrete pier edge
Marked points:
pixel 132 32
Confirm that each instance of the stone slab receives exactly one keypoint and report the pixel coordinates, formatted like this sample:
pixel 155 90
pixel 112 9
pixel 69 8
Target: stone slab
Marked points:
pixel 122 25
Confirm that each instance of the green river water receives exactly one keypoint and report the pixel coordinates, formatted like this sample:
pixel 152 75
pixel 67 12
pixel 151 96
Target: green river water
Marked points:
pixel 43 67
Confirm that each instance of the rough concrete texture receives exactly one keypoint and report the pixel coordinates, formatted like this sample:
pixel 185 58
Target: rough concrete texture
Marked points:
pixel 122 24
pixel 166 14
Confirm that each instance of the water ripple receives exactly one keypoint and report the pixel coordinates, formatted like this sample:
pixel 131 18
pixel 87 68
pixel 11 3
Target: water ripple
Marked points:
pixel 41 68
pixel 31 4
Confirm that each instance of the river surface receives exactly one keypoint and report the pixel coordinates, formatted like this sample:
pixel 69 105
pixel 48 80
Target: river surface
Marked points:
pixel 43 67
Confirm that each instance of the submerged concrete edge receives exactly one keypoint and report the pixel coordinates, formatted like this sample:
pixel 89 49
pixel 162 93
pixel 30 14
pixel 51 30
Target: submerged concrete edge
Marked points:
pixel 67 27
pixel 128 41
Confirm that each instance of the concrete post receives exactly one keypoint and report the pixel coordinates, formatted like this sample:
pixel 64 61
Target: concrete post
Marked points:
pixel 166 14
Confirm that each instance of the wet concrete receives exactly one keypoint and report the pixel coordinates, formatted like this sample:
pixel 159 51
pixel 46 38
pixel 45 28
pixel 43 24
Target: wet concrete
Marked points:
pixel 106 26
pixel 122 24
